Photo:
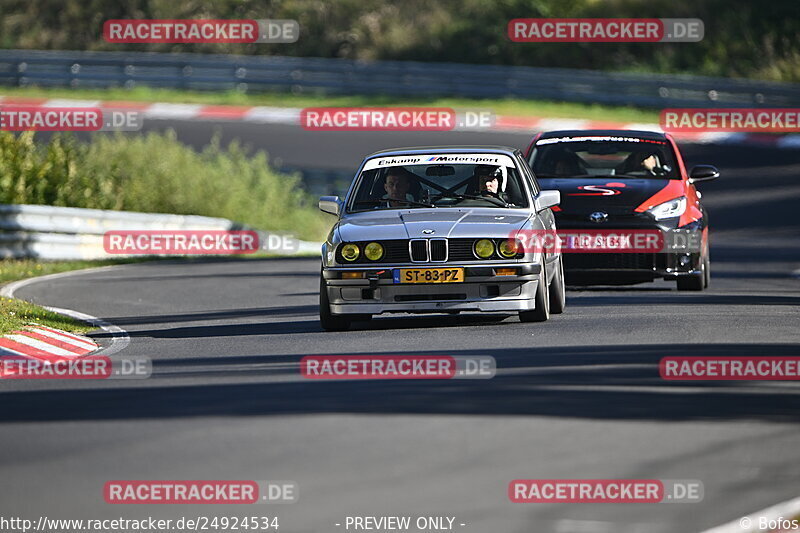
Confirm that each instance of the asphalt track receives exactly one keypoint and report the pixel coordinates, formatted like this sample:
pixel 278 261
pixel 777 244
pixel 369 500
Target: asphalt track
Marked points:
pixel 576 397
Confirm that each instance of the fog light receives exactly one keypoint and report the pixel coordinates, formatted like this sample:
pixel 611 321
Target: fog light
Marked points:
pixel 685 260
pixel 352 275
pixel 505 271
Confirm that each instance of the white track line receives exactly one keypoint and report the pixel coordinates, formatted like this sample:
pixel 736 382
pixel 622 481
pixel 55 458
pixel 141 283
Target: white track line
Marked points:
pixel 277 115
pixel 62 102
pixel 119 337
pixel 173 111
pixel 750 523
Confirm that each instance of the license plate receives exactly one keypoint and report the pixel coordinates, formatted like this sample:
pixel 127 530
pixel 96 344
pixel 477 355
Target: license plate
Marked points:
pixel 429 275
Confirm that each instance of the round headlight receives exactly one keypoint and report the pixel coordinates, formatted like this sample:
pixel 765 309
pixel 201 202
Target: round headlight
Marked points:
pixel 373 251
pixel 484 248
pixel 350 252
pixel 508 248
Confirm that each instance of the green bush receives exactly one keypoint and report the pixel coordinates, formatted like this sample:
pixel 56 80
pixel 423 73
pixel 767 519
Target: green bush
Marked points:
pixel 155 173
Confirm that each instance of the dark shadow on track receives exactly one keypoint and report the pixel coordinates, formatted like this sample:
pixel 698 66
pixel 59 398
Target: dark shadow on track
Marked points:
pixel 294 327
pixel 683 299
pixel 592 382
pixel 288 310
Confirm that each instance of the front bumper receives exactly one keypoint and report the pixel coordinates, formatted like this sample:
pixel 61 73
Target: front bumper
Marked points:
pixel 679 256
pixel 481 290
pixel 618 268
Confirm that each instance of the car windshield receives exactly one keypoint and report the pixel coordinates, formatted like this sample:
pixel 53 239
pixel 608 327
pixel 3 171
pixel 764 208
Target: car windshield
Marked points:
pixel 452 180
pixel 581 157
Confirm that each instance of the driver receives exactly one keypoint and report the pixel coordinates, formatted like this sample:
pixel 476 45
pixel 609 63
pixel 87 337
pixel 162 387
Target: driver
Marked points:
pixel 650 163
pixel 647 161
pixel 397 185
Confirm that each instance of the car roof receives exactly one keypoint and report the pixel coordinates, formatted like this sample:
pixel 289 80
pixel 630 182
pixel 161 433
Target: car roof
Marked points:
pixel 460 149
pixel 648 135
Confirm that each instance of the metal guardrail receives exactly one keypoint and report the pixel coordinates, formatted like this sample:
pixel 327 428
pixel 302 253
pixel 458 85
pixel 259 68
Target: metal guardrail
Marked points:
pixel 68 233
pixel 397 78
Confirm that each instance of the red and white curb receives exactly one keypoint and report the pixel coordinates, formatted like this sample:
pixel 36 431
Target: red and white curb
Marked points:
pixel 53 345
pixel 291 116
pixel 47 345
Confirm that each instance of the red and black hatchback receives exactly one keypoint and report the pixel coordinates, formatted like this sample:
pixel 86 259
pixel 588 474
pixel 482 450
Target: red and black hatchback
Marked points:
pixel 626 180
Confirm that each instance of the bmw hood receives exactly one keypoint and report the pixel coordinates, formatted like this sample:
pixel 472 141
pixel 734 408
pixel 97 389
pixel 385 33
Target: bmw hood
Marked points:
pixel 425 223
pixel 581 196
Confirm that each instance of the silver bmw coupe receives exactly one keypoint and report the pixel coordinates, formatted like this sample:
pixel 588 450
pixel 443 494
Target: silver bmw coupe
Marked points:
pixel 436 230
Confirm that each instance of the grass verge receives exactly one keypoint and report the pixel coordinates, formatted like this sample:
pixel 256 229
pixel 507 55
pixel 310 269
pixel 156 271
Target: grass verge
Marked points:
pixel 510 107
pixel 14 314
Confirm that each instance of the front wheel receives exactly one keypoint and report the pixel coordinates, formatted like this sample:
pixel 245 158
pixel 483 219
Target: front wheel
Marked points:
pixel 327 320
pixel 542 301
pixel 558 293
pixel 696 281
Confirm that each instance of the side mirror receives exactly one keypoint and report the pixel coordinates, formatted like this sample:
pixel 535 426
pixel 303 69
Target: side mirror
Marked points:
pixel 703 173
pixel 330 204
pixel 547 199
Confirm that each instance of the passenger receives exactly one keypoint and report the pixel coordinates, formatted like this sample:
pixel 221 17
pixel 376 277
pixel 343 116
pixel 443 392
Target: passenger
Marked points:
pixel 561 161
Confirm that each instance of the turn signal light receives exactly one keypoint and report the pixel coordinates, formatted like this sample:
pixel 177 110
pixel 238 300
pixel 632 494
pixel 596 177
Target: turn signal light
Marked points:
pixel 506 271
pixel 352 275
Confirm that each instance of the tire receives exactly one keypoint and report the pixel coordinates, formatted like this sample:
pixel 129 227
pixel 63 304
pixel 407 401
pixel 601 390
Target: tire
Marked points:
pixel 558 293
pixel 328 321
pixel 694 282
pixel 542 301
pixel 707 270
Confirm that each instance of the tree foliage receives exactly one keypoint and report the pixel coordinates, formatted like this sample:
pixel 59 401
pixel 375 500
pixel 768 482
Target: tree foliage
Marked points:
pixel 742 38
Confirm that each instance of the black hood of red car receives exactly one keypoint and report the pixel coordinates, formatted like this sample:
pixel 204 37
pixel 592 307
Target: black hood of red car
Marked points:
pixel 613 195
